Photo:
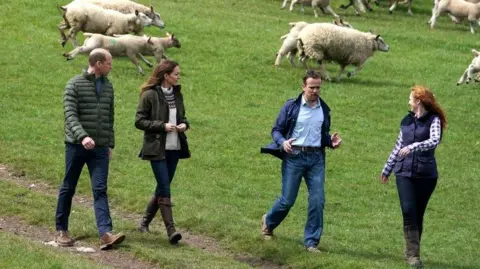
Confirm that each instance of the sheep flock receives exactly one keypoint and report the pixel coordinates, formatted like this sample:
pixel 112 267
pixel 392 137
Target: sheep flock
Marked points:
pixel 117 25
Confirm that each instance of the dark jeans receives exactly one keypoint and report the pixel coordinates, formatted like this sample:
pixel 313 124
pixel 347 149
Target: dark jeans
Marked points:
pixel 97 161
pixel 311 166
pixel 164 170
pixel 414 194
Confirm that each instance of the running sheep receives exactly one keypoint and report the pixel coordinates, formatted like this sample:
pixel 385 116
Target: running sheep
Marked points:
pixel 128 7
pixel 90 18
pixel 329 42
pixel 473 68
pixel 128 45
pixel 459 9
pixel 289 45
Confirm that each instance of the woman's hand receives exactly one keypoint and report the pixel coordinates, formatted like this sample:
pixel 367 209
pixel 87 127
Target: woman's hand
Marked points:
pixel 384 179
pixel 404 151
pixel 169 127
pixel 181 127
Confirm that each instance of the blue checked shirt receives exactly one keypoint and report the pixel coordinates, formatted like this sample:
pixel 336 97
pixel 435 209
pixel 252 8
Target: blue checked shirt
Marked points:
pixel 431 143
pixel 308 128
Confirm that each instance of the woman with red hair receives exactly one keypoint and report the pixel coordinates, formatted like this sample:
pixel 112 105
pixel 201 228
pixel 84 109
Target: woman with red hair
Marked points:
pixel 413 162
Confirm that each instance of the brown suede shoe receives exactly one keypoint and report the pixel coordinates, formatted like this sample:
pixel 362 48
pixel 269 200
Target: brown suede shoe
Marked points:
pixel 63 240
pixel 107 240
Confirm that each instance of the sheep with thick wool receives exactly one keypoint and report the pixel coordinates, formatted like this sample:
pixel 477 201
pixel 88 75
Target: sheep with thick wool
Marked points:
pixel 329 42
pixel 128 7
pixel 289 45
pixel 459 9
pixel 323 5
pixel 90 18
pixel 127 45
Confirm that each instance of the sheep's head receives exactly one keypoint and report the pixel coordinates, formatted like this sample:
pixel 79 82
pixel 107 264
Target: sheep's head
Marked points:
pixel 341 22
pixel 143 19
pixel 175 42
pixel 156 19
pixel 299 25
pixel 380 43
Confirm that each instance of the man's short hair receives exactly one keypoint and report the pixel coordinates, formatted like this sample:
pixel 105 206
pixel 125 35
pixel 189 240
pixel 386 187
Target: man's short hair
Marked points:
pixel 311 74
pixel 97 56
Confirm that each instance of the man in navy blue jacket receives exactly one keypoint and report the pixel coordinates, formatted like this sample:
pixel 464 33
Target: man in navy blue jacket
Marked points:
pixel 300 136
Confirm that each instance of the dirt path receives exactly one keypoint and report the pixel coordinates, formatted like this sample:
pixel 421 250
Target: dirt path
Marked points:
pixel 205 243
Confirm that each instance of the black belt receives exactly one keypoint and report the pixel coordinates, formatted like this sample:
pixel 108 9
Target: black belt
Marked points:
pixel 307 149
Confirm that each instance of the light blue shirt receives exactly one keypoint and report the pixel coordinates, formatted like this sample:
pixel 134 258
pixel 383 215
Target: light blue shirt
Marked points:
pixel 308 128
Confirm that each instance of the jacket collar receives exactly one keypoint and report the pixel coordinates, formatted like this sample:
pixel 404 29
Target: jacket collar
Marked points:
pixel 91 76
pixel 324 105
pixel 424 117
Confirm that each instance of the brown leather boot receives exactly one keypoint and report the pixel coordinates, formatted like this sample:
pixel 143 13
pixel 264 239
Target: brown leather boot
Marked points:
pixel 150 212
pixel 107 240
pixel 412 250
pixel 166 210
pixel 63 239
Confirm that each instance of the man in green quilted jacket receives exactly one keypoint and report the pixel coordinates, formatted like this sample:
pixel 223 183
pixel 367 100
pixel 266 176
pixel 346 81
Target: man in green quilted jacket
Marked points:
pixel 89 139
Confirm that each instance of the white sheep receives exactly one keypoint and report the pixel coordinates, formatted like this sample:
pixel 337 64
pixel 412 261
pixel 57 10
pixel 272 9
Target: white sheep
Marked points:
pixel 459 9
pixel 90 18
pixel 473 68
pixel 316 4
pixel 289 45
pixel 329 42
pixel 393 5
pixel 127 7
pixel 127 45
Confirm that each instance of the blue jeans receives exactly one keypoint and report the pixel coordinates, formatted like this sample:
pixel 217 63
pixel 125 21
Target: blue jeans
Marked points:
pixel 414 194
pixel 311 166
pixel 97 160
pixel 164 170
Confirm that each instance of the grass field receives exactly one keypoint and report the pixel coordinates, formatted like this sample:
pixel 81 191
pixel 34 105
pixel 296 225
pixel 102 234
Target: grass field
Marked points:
pixel 233 94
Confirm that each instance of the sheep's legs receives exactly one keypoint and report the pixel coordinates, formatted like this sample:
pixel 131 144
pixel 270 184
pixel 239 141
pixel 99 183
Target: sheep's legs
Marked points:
pixel 472 26
pixel 284 4
pixel 291 56
pixel 392 7
pixel 135 62
pixel 330 10
pixel 342 69
pixel 471 70
pixel 351 74
pixel 145 60
pixel 323 72
pixel 463 77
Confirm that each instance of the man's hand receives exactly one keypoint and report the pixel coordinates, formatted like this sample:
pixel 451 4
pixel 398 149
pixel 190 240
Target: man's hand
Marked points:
pixel 384 179
pixel 287 145
pixel 181 127
pixel 170 127
pixel 88 143
pixel 110 153
pixel 336 140
pixel 404 151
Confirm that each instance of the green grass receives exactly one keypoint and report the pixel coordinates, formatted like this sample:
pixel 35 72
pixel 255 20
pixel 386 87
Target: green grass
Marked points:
pixel 233 94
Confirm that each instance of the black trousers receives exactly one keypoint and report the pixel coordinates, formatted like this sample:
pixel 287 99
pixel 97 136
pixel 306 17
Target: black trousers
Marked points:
pixel 414 194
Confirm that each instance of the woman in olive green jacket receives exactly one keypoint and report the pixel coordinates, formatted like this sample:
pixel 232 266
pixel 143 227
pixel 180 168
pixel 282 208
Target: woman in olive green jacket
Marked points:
pixel 161 115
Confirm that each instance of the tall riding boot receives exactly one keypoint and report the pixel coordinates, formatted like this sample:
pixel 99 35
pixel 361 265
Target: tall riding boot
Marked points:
pixel 150 213
pixel 166 210
pixel 412 240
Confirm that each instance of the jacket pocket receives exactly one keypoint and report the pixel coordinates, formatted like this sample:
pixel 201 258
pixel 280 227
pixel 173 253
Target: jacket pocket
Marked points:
pixel 151 144
pixel 426 166
pixel 398 167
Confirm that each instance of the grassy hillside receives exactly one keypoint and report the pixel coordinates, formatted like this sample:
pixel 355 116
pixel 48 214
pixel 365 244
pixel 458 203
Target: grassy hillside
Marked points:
pixel 233 93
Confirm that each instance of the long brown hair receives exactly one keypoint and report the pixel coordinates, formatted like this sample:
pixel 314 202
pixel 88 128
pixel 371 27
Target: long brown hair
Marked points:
pixel 157 76
pixel 429 102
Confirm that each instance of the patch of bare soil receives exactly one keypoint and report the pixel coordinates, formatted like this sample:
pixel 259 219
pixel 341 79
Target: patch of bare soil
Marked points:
pixel 39 234
pixel 203 242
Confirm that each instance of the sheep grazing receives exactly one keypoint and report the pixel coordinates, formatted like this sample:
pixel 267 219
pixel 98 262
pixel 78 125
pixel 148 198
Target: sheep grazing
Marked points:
pixel 127 45
pixel 328 42
pixel 316 4
pixel 128 7
pixel 473 68
pixel 358 6
pixel 90 18
pixel 289 45
pixel 459 9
